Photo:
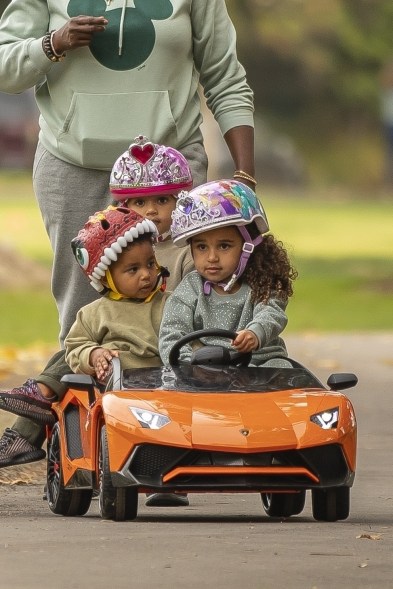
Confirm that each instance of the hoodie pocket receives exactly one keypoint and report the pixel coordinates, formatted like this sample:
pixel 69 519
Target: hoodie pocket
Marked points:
pixel 99 127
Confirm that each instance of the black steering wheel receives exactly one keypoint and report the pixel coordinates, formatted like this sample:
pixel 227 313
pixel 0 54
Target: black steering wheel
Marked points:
pixel 210 355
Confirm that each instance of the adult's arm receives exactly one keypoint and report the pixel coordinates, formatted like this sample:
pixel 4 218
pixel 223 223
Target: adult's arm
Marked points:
pixel 223 79
pixel 23 63
pixel 240 141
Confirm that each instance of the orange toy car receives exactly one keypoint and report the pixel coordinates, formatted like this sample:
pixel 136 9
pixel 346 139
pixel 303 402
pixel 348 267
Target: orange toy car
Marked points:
pixel 214 425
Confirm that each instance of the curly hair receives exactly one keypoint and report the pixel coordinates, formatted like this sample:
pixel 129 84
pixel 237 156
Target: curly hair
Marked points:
pixel 269 271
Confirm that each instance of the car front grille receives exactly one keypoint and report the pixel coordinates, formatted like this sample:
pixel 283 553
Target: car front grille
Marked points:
pixel 151 464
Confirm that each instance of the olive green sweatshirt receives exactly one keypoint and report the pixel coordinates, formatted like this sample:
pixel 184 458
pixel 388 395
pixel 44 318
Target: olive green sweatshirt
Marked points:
pixel 129 326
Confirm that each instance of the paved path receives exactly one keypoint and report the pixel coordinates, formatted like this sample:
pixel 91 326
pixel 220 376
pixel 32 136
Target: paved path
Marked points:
pixel 226 541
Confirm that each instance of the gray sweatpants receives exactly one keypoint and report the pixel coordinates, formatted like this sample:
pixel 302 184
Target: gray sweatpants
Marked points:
pixel 67 195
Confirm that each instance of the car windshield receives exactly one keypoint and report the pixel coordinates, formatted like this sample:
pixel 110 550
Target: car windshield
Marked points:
pixel 234 379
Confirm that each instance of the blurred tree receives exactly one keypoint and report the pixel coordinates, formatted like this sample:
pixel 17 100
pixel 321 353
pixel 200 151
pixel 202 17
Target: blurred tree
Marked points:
pixel 314 64
pixel 297 51
pixel 314 67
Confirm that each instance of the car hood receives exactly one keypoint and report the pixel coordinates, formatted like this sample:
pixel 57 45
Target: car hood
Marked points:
pixel 241 421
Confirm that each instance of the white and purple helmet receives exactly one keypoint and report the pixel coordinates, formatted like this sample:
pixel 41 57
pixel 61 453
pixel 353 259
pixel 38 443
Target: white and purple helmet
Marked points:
pixel 219 204
pixel 213 205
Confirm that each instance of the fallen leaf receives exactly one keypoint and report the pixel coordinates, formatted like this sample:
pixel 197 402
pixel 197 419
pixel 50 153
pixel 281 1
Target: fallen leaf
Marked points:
pixel 370 536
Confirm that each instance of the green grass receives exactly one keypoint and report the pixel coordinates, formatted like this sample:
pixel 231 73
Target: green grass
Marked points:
pixel 337 228
pixel 31 318
pixel 343 250
pixel 28 317
pixel 21 225
pixel 342 295
pixel 341 246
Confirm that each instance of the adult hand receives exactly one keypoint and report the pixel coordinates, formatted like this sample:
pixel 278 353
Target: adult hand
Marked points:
pixel 77 32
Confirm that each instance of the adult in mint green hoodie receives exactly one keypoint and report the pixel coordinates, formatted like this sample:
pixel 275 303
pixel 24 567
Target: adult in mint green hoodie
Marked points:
pixel 129 67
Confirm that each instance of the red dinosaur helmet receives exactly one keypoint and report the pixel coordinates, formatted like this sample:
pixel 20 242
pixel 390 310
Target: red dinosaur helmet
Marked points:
pixel 103 238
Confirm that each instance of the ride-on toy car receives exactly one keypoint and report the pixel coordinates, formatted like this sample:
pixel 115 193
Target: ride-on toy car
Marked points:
pixel 212 425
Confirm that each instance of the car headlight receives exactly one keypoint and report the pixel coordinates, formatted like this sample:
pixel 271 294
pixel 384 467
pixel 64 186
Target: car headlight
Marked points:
pixel 149 419
pixel 327 419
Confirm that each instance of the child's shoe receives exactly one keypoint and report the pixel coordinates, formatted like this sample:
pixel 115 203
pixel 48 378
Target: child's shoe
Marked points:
pixel 27 401
pixel 16 450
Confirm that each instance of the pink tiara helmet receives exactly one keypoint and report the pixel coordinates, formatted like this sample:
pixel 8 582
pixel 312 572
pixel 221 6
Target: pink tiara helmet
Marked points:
pixel 149 169
pixel 104 236
pixel 219 204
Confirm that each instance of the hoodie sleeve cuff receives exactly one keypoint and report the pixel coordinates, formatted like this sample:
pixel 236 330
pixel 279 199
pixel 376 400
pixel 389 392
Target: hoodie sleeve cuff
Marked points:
pixel 38 57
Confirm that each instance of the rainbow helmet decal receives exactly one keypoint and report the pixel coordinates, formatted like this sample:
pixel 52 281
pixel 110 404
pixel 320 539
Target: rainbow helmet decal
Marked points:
pixel 149 169
pixel 103 238
pixel 216 204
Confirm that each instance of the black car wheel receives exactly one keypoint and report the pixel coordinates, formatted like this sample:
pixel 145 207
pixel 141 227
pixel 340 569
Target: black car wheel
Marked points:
pixel 283 504
pixel 115 503
pixel 330 505
pixel 61 500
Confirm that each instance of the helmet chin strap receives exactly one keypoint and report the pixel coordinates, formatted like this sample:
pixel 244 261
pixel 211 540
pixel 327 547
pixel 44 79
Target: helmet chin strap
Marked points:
pixel 115 295
pixel 248 247
pixel 162 275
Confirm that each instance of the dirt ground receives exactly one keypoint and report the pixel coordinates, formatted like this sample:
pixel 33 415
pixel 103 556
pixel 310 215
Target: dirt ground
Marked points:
pixel 17 272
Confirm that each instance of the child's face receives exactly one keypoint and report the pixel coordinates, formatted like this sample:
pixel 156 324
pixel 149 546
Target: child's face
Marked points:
pixel 156 208
pixel 135 271
pixel 216 253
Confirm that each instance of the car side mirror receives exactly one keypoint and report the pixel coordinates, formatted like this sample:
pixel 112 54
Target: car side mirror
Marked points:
pixel 342 380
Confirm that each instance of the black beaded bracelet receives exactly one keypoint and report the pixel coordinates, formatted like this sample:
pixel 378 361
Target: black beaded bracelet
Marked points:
pixel 49 51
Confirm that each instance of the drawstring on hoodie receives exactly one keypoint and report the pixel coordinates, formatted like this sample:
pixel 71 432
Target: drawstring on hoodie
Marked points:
pixel 121 26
